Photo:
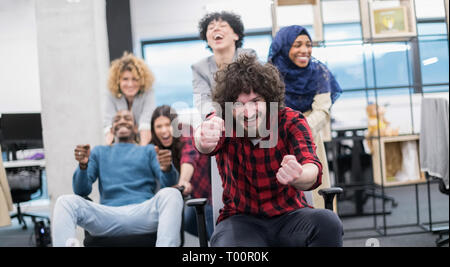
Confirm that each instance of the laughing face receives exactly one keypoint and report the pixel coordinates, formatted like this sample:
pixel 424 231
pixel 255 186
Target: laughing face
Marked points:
pixel 300 52
pixel 250 113
pixel 123 126
pixel 163 130
pixel 220 35
pixel 129 84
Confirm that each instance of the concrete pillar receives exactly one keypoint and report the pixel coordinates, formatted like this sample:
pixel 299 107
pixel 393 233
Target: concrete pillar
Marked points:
pixel 73 66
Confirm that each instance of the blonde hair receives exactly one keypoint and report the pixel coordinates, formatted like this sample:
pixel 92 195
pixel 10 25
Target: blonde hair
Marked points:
pixel 137 66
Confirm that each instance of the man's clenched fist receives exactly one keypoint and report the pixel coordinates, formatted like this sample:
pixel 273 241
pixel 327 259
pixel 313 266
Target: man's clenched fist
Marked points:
pixel 82 153
pixel 290 170
pixel 164 157
pixel 208 134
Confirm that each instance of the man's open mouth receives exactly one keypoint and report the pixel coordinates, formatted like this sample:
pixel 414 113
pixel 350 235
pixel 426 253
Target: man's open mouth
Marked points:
pixel 123 127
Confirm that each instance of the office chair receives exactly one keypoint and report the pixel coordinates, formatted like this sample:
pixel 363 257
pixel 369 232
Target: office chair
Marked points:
pixel 443 240
pixel 444 231
pixel 216 183
pixel 24 193
pixel 352 167
pixel 140 240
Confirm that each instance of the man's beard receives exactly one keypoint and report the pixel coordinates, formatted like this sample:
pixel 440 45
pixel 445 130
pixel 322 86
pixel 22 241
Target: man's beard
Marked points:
pixel 253 131
pixel 127 139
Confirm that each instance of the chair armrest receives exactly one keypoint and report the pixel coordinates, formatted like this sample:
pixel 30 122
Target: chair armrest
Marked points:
pixel 199 205
pixel 331 190
pixel 328 195
pixel 196 202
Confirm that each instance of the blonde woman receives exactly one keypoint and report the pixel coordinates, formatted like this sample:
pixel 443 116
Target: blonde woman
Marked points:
pixel 130 88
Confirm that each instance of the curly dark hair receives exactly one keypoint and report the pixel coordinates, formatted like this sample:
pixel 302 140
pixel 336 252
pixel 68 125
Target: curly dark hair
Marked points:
pixel 232 19
pixel 245 75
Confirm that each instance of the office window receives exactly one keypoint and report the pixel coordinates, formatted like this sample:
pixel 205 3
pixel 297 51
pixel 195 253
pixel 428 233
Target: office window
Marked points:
pixel 171 62
pixel 433 46
pixel 397 107
pixel 260 43
pixel 353 62
pixel 434 61
pixel 391 64
pixel 431 28
pixel 345 61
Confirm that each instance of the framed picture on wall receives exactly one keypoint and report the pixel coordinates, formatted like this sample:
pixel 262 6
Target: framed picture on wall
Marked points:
pixel 389 22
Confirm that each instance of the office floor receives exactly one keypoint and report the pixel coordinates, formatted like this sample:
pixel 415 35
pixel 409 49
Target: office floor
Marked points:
pixel 404 213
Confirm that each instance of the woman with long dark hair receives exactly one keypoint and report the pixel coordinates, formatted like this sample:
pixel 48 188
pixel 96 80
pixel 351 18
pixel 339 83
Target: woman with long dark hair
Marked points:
pixel 192 166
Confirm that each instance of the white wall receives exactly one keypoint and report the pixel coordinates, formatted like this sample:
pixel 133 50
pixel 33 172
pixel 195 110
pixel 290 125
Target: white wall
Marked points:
pixel 19 76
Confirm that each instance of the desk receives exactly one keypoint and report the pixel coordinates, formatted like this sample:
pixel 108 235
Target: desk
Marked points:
pixel 24 163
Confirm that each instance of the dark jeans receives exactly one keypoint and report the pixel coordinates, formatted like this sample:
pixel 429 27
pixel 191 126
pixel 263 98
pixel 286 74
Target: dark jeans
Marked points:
pixel 190 220
pixel 304 227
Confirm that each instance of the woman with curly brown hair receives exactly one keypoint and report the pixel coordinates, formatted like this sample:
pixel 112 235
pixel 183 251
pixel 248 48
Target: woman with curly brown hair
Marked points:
pixel 224 34
pixel 129 83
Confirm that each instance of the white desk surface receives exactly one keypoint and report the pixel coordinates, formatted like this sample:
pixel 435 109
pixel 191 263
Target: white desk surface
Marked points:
pixel 24 163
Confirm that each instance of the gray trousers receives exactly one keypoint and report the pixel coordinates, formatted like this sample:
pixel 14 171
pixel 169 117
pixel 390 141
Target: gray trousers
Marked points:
pixel 304 227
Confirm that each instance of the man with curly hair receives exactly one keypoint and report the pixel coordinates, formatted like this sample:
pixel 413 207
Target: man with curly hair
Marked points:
pixel 224 34
pixel 264 203
pixel 129 83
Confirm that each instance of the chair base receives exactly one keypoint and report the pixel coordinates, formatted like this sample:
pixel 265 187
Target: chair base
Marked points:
pixel 21 215
pixel 441 240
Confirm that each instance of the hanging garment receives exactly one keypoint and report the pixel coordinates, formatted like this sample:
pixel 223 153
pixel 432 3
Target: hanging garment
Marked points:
pixel 434 143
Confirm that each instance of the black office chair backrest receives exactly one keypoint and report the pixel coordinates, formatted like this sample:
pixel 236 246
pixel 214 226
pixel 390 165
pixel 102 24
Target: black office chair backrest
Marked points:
pixel 24 183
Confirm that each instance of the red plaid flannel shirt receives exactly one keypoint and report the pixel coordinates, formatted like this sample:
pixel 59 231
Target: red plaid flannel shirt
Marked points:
pixel 248 172
pixel 201 179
